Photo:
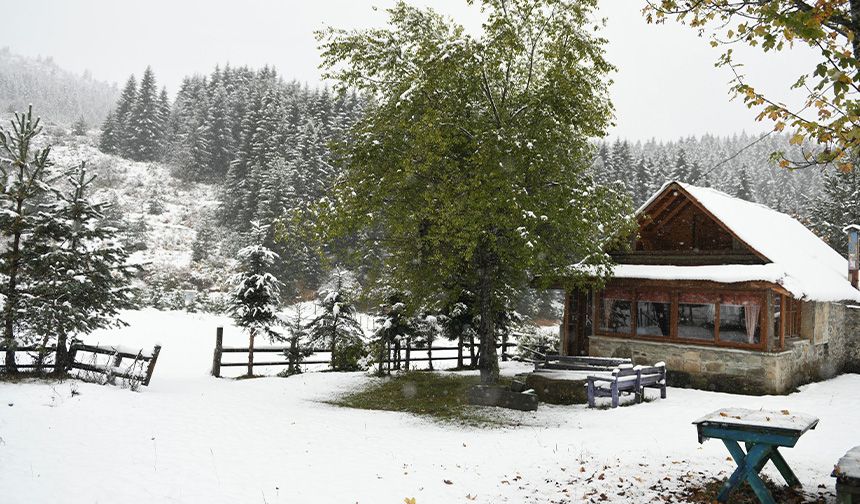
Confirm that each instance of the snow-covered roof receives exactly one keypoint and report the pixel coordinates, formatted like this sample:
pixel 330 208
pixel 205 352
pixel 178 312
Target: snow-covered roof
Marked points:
pixel 799 260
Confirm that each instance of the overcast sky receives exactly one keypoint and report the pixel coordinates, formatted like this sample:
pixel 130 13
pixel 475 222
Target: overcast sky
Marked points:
pixel 666 85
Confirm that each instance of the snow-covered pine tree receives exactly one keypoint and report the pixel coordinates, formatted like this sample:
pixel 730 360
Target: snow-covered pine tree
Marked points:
pixel 336 326
pixel 218 133
pixel 681 170
pixel 22 183
pixel 78 271
pixel 255 298
pixel 123 114
pixel 838 207
pixel 80 127
pixel 110 135
pixel 743 186
pixel 297 335
pixel 145 121
pixel 393 324
pixel 163 114
pixel 204 241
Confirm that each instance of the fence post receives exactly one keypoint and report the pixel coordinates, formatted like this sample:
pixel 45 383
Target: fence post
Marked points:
pixel 408 352
pixel 460 351
pixel 504 347
pixel 216 357
pixel 397 354
pixel 70 358
pixel 151 368
pixel 390 356
pixel 430 354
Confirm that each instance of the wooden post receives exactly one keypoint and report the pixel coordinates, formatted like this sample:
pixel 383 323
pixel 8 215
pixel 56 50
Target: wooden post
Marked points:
pixel 151 368
pixel 251 354
pixel 390 356
pixel 216 357
pixel 408 352
pixel 117 359
pixel 397 354
pixel 430 354
pixel 70 358
pixel 460 351
pixel 505 347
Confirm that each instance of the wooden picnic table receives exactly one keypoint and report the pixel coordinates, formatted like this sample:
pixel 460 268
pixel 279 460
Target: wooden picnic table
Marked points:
pixel 762 433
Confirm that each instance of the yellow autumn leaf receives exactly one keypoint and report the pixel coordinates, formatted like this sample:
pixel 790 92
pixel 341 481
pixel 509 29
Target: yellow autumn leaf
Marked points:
pixel 409 500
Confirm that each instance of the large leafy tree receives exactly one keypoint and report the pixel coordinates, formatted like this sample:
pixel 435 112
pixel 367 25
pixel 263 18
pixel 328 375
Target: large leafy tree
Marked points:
pixel 830 116
pixel 470 161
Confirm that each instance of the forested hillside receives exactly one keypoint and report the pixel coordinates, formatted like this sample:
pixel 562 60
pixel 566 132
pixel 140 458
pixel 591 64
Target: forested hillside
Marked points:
pixel 58 95
pixel 262 141
pixel 739 165
pixel 264 144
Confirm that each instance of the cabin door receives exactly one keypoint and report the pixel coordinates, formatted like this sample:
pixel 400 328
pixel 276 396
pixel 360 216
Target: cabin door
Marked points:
pixel 579 324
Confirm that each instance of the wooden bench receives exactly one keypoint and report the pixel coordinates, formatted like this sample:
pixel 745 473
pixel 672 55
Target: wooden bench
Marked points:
pixel 627 379
pixel 847 474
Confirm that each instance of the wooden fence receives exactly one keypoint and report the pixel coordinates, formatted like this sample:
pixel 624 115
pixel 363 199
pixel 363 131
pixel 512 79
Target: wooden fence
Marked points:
pixel 41 360
pixel 399 357
pixel 139 370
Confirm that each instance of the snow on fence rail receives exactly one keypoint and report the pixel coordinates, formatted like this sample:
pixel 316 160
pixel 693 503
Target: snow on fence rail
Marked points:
pixel 138 371
pixel 39 361
pixel 398 356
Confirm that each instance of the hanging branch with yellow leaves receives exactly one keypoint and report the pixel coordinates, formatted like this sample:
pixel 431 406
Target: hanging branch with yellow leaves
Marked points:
pixel 829 120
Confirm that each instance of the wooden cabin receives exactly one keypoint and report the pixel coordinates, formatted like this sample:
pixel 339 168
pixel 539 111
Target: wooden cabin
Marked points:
pixel 732 295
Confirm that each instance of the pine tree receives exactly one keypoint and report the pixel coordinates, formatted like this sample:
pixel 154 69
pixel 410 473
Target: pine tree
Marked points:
pixel 22 171
pixel 838 207
pixel 218 134
pixel 70 236
pixel 743 189
pixel 163 121
pixel 145 121
pixel 123 114
pixel 109 139
pixel 256 293
pixel 79 128
pixel 298 334
pixel 336 326
pixel 393 324
pixel 681 171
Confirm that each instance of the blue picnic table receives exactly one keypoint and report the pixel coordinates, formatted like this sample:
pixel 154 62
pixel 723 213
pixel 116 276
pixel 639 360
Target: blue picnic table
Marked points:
pixel 763 433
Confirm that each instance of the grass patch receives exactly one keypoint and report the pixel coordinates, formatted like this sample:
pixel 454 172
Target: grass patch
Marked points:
pixel 437 395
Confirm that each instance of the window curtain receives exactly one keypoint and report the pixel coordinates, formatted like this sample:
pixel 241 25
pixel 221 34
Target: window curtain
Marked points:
pixel 751 312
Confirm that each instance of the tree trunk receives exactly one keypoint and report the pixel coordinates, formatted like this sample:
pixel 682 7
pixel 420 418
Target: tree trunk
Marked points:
pixel 12 300
pixel 251 353
pixel 489 361
pixel 62 353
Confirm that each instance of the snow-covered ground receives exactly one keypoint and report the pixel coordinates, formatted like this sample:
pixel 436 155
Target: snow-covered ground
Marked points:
pixel 191 438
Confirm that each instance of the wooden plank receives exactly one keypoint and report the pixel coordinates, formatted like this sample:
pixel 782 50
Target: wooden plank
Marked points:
pixel 80 347
pixel 96 369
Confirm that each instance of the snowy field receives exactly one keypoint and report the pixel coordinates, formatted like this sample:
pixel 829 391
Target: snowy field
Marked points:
pixel 191 438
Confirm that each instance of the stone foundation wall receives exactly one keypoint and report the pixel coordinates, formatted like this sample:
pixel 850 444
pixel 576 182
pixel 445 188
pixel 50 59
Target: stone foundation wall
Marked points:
pixel 829 345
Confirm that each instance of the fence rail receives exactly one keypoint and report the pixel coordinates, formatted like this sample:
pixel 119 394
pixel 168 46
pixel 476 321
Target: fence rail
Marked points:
pixel 118 354
pixel 141 374
pixel 397 356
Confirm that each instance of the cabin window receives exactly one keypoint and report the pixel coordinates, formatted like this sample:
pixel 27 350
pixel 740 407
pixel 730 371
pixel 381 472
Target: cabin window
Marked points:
pixel 722 318
pixel 777 314
pixel 617 312
pixel 740 319
pixel 696 316
pixel 654 314
pixel 792 317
